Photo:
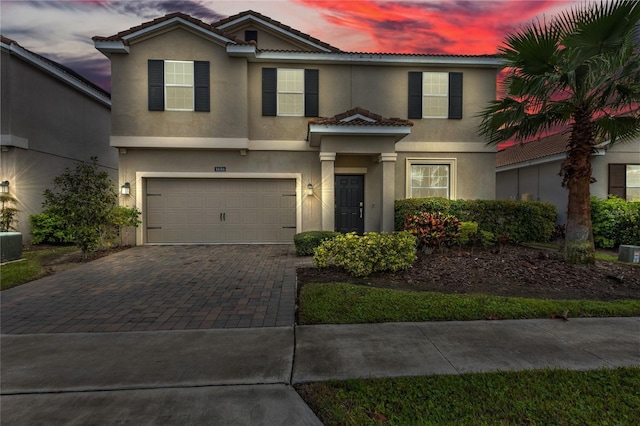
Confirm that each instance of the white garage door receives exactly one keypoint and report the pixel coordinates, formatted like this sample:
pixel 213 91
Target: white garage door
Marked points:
pixel 220 210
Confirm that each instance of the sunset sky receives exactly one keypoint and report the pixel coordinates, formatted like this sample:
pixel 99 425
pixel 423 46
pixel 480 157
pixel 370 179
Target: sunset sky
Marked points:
pixel 62 30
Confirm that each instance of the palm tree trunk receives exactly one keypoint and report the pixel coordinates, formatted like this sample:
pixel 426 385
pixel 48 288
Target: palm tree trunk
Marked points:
pixel 576 170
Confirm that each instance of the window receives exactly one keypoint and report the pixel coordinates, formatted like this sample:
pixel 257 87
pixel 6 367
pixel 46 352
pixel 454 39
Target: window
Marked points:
pixel 431 178
pixel 251 35
pixel 178 85
pixel 624 181
pixel 435 95
pixel 290 92
pixel 178 78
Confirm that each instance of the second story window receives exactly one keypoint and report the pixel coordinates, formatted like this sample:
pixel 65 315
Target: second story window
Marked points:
pixel 290 92
pixel 435 95
pixel 178 77
pixel 178 85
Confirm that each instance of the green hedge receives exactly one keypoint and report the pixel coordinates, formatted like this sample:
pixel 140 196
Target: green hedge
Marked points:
pixel 615 221
pixel 306 242
pixel 520 221
pixel 372 252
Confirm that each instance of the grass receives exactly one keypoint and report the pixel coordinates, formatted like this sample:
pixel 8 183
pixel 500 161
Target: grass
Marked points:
pixel 341 303
pixel 16 273
pixel 542 397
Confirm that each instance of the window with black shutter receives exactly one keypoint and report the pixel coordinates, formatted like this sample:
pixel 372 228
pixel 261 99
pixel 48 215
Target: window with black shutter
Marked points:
pixel 435 95
pixel 618 180
pixel 290 92
pixel 179 85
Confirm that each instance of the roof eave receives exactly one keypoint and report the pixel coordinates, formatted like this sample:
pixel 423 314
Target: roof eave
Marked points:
pixel 317 131
pixel 109 47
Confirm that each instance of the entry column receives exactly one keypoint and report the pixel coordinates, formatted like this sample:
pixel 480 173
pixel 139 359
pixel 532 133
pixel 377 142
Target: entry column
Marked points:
pixel 327 160
pixel 388 192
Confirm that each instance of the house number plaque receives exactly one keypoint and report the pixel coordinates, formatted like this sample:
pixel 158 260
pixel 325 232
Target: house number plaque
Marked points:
pixel 220 169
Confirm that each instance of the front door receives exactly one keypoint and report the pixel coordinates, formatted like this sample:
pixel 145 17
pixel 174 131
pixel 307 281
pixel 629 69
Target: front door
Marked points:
pixel 350 203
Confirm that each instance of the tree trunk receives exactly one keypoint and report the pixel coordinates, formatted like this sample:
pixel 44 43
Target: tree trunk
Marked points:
pixel 576 170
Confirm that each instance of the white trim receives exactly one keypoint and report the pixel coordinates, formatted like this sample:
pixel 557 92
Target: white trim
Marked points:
pixel 172 21
pixel 108 47
pixel 453 172
pixel 140 240
pixel 273 27
pixel 356 117
pixel 387 156
pixel 453 146
pixel 13 140
pixel 178 142
pixel 280 145
pixel 316 131
pixel 373 58
pixel 57 73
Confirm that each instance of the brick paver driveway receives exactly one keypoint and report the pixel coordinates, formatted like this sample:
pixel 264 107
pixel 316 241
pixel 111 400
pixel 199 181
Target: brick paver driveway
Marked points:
pixel 161 288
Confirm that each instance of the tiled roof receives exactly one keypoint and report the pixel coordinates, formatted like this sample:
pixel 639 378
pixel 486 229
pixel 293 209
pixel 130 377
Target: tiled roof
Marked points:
pixel 120 36
pixel 539 148
pixel 278 24
pixel 431 55
pixel 68 72
pixel 360 117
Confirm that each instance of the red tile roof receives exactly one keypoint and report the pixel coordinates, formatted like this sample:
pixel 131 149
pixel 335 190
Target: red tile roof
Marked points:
pixel 539 148
pixel 374 119
pixel 203 25
pixel 277 24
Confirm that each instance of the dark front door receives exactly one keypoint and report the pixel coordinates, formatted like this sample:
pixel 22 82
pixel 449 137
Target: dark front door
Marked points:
pixel 350 203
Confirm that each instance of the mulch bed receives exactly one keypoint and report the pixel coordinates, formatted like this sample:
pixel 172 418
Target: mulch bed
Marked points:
pixel 516 271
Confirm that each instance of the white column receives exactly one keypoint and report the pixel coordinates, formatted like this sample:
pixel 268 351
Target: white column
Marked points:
pixel 327 160
pixel 387 188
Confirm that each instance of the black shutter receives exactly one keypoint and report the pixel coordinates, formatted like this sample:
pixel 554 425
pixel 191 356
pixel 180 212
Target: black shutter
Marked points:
pixel 201 86
pixel 269 91
pixel 311 93
pixel 455 95
pixel 415 94
pixel 156 85
pixel 618 180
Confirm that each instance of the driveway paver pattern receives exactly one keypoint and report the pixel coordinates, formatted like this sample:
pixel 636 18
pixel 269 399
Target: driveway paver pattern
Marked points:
pixel 150 288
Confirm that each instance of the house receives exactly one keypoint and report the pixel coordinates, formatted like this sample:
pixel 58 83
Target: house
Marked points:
pixel 532 171
pixel 247 130
pixel 51 118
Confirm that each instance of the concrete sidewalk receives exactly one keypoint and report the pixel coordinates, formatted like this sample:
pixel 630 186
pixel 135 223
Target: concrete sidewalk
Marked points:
pixel 243 376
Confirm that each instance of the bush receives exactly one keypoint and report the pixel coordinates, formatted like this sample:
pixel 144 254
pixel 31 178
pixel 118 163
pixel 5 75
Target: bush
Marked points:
pixel 306 242
pixel 615 221
pixel 373 252
pixel 433 230
pixel 48 228
pixel 518 221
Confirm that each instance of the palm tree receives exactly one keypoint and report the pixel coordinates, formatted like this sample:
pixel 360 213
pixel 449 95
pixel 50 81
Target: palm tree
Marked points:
pixel 581 72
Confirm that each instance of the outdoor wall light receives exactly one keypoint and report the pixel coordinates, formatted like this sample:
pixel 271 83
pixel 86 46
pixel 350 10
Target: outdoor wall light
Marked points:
pixel 309 189
pixel 4 187
pixel 125 189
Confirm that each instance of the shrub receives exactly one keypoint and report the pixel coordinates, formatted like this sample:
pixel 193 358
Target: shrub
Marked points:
pixel 7 213
pixel 615 221
pixel 467 232
pixel 48 228
pixel 306 242
pixel 373 252
pixel 519 221
pixel 433 230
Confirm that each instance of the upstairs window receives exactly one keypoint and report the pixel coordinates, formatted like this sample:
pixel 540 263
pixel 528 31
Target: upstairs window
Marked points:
pixel 435 95
pixel 178 85
pixel 290 92
pixel 251 35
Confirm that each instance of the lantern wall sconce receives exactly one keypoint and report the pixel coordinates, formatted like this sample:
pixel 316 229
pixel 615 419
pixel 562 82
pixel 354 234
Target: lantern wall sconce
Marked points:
pixel 125 189
pixel 309 189
pixel 4 187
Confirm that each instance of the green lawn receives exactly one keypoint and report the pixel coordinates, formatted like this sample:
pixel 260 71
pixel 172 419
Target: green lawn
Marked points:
pixel 341 303
pixel 16 273
pixel 542 397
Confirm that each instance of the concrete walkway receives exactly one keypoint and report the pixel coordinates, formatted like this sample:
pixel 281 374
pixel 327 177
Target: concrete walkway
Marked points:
pixel 244 376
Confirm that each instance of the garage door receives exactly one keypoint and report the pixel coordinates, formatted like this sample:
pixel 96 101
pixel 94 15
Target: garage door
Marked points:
pixel 220 210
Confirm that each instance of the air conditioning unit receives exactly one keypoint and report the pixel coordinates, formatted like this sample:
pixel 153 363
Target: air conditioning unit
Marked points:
pixel 629 254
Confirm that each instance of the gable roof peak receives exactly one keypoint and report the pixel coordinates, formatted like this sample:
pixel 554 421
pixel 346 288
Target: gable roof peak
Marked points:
pixel 362 117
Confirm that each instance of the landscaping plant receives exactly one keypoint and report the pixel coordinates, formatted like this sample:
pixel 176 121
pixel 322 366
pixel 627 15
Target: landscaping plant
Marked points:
pixel 372 252
pixel 433 230
pixel 7 213
pixel 307 242
pixel 615 221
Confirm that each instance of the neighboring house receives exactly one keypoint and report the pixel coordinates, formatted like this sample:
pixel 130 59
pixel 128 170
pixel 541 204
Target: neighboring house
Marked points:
pixel 532 171
pixel 51 119
pixel 247 130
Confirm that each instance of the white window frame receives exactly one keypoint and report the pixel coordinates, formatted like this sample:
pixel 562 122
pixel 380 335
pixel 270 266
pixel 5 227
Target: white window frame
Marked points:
pixel 289 92
pixel 626 179
pixel 429 161
pixel 427 95
pixel 167 85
